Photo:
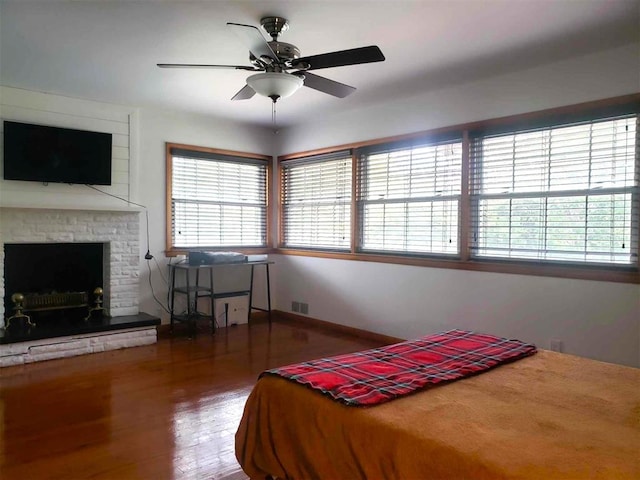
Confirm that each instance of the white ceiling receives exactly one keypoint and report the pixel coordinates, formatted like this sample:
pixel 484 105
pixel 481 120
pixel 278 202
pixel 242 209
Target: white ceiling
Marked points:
pixel 107 50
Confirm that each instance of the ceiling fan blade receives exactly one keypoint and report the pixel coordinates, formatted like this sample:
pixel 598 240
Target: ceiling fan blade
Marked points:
pixel 253 40
pixel 245 93
pixel 353 56
pixel 194 65
pixel 325 85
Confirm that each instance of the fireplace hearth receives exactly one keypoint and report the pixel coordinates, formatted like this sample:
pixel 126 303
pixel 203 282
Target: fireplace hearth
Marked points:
pixel 66 327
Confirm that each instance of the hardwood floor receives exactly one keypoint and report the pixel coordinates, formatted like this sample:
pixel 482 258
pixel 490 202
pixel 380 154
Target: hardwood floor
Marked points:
pixel 165 411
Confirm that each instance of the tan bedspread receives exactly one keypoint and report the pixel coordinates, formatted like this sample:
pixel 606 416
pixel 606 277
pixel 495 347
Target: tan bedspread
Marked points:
pixel 546 416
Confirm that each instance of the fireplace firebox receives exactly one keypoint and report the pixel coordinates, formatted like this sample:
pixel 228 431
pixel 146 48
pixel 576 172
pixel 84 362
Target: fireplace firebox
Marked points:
pixel 49 283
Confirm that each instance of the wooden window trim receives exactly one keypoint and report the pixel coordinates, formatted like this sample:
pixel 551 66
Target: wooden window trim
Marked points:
pixel 172 251
pixel 584 272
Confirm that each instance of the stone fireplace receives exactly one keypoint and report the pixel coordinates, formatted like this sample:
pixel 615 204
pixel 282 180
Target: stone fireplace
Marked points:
pixel 114 233
pixel 118 230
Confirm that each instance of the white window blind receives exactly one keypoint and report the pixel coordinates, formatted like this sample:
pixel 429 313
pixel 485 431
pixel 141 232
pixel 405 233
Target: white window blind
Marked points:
pixel 409 199
pixel 566 193
pixel 217 200
pixel 316 202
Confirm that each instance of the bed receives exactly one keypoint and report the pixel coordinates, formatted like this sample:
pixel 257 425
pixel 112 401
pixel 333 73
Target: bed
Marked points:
pixel 546 416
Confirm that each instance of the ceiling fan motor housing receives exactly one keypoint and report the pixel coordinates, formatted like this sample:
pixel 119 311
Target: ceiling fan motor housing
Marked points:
pixel 285 52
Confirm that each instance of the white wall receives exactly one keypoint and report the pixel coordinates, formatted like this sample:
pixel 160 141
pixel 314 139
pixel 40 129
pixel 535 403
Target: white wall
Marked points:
pixel 138 173
pixel 594 319
pixel 602 75
pixel 55 110
pixel 156 128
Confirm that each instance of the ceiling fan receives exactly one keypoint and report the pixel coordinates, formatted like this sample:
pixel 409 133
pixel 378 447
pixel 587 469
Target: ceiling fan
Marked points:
pixel 284 71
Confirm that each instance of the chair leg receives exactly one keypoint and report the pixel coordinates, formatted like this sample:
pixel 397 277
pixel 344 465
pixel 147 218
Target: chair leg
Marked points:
pixel 226 315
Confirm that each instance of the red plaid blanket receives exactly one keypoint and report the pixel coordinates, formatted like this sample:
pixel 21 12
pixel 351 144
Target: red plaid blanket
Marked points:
pixel 381 374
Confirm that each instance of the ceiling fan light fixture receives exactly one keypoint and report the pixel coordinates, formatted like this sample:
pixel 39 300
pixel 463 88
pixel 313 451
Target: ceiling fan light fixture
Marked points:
pixel 275 84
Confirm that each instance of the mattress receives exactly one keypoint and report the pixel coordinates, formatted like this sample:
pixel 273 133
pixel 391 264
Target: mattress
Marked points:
pixel 547 416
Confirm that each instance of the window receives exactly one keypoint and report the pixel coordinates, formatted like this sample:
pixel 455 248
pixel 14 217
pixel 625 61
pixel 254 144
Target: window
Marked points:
pixel 565 193
pixel 316 201
pixel 218 199
pixel 409 199
pixel 553 193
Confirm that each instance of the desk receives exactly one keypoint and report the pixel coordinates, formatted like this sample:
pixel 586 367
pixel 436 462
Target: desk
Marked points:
pixel 195 290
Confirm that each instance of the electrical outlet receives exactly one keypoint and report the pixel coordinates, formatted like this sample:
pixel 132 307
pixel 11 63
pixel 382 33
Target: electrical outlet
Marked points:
pixel 304 308
pixel 555 345
pixel 295 306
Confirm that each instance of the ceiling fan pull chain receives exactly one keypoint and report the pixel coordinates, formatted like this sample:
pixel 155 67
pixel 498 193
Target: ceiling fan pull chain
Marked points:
pixel 273 116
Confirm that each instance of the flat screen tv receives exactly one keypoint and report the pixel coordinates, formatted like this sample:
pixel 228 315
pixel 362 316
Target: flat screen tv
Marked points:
pixel 59 155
